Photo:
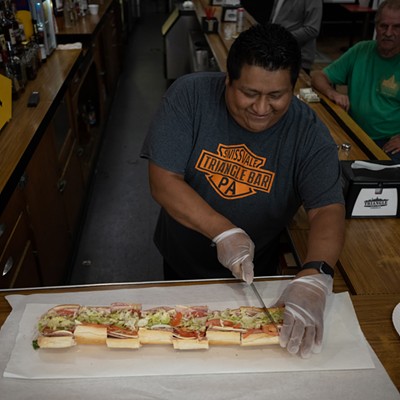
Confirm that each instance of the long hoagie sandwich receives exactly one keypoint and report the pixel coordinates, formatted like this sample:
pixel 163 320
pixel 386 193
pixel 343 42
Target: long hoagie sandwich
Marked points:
pixel 125 325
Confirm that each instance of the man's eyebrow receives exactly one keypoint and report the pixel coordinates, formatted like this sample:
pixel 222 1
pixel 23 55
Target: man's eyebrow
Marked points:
pixel 396 25
pixel 247 89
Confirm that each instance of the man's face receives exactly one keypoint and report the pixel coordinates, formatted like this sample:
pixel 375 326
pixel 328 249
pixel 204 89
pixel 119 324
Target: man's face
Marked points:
pixel 259 98
pixel 388 32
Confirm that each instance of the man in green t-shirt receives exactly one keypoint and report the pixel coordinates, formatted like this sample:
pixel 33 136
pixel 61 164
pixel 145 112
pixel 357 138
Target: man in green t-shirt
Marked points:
pixel 371 71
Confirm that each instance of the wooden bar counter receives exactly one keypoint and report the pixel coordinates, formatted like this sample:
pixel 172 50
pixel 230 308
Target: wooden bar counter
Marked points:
pixel 374 313
pixel 19 137
pixel 87 25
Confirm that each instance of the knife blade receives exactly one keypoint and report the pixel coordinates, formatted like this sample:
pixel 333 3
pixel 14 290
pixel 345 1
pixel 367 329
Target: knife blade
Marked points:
pixel 264 307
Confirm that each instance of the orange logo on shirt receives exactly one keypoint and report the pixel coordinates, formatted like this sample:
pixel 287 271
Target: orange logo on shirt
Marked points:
pixel 235 172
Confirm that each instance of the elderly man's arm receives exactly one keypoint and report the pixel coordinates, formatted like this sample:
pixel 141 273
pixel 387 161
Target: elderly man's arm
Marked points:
pixel 321 82
pixel 392 146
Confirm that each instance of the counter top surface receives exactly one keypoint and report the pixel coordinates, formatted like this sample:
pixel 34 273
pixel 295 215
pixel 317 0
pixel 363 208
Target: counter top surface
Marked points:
pixel 85 25
pixel 19 135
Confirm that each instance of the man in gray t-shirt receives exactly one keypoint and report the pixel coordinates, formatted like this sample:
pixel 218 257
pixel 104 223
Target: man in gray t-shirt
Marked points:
pixel 231 159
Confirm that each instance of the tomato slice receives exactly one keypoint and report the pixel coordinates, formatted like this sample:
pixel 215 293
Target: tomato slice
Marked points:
pixel 270 329
pixel 66 312
pixel 185 333
pixel 250 332
pixel 213 322
pixel 220 322
pixel 177 319
pixel 117 329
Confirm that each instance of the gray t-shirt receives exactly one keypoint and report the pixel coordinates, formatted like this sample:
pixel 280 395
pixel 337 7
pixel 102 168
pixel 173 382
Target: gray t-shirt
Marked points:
pixel 256 180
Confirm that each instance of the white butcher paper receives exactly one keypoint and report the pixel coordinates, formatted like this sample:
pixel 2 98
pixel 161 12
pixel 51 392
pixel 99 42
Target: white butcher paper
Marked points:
pixel 344 348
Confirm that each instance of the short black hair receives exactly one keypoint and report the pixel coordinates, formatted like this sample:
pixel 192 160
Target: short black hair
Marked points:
pixel 269 46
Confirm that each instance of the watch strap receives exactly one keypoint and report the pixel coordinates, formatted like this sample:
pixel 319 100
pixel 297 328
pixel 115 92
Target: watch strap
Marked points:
pixel 321 266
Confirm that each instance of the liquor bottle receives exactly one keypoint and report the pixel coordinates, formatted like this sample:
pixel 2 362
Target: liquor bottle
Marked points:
pixel 83 7
pixel 32 61
pixel 10 72
pixel 3 46
pixel 17 71
pixel 18 27
pixel 40 41
pixel 2 66
pixel 7 27
pixel 35 44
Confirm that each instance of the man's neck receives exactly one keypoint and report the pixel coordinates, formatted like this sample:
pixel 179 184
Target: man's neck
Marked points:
pixel 388 53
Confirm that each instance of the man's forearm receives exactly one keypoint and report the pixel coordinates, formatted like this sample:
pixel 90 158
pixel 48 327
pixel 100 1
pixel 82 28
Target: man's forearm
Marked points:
pixel 320 82
pixel 326 236
pixel 184 204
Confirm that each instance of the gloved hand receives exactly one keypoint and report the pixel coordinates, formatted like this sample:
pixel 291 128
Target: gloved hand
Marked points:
pixel 303 321
pixel 235 251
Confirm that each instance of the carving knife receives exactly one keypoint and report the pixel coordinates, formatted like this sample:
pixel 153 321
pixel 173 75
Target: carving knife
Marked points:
pixel 264 307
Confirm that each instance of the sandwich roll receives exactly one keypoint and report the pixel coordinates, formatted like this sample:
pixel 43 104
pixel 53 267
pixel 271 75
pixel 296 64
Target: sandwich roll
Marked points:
pixel 259 339
pixel 190 344
pixel 155 336
pixel 90 334
pixel 115 343
pixel 55 342
pixel 223 337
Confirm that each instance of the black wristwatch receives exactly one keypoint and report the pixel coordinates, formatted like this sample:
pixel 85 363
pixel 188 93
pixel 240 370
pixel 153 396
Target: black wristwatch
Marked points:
pixel 321 266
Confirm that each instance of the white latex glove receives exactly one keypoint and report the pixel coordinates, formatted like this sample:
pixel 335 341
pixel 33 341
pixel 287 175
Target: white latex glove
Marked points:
pixel 235 251
pixel 303 321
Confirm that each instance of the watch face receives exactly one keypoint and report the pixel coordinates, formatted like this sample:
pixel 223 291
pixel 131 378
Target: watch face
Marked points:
pixel 320 266
pixel 326 269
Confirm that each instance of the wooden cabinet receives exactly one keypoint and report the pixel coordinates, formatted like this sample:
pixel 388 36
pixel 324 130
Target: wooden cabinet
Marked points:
pixel 94 84
pixel 54 193
pixel 18 263
pixel 46 210
pixel 111 38
pixel 70 182
pixel 88 114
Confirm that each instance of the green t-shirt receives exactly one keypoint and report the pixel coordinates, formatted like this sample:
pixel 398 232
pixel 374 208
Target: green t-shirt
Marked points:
pixel 373 88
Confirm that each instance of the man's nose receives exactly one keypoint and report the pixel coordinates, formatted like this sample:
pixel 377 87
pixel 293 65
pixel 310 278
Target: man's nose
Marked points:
pixel 389 30
pixel 262 105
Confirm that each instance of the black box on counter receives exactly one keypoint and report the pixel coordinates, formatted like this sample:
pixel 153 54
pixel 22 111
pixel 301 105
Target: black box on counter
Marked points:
pixel 371 188
pixel 209 25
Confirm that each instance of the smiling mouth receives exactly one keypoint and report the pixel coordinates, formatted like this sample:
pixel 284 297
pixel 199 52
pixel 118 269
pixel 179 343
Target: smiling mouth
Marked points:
pixel 258 116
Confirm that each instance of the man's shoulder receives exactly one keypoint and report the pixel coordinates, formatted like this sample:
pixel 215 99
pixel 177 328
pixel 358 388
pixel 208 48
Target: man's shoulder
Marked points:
pixel 364 45
pixel 355 56
pixel 200 77
pixel 197 82
pixel 301 108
